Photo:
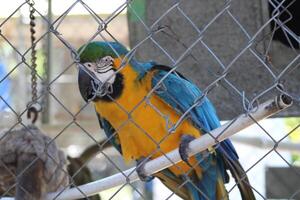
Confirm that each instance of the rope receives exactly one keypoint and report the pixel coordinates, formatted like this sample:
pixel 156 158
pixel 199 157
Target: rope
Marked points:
pixel 16 145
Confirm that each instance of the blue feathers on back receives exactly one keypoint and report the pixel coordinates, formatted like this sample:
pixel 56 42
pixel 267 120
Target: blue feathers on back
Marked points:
pixel 181 94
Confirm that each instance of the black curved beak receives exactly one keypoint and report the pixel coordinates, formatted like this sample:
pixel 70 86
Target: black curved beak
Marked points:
pixel 85 83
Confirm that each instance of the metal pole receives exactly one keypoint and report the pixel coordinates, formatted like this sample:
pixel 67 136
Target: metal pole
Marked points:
pixel 46 105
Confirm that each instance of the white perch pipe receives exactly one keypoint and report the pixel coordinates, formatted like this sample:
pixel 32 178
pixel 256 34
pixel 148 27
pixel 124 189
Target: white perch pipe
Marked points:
pixel 264 110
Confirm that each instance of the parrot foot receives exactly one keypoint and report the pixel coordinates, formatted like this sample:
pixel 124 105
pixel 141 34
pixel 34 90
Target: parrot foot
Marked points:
pixel 184 148
pixel 140 169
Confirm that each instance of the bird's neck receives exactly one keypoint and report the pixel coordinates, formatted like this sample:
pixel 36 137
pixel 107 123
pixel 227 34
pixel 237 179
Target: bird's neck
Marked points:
pixel 132 93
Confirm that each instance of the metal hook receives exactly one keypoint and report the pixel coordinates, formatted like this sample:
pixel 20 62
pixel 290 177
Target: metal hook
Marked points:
pixel 33 111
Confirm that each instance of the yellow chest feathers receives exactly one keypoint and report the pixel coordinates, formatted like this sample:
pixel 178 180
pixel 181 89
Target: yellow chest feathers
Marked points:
pixel 142 123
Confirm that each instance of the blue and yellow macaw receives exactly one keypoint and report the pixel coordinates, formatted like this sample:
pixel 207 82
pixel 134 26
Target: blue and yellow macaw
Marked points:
pixel 138 123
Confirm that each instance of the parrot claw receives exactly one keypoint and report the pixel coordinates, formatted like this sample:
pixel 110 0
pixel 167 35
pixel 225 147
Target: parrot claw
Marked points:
pixel 140 170
pixel 184 147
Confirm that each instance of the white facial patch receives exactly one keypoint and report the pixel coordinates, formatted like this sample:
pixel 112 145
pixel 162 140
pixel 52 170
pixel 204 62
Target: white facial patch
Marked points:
pixel 107 77
pixel 102 69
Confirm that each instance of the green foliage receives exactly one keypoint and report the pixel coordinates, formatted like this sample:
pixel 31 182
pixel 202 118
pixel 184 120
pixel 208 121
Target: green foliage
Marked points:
pixel 137 10
pixel 40 61
pixel 292 125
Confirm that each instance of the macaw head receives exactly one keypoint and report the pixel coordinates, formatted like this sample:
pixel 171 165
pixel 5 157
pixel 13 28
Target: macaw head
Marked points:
pixel 98 78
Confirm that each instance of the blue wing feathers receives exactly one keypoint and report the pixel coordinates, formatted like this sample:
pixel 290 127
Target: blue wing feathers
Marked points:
pixel 181 94
pixel 109 132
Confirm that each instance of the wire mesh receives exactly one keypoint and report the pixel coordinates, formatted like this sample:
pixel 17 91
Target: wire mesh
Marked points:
pixel 153 34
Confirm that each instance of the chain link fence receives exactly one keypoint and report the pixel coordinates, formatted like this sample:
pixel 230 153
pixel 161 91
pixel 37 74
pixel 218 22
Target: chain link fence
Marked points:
pixel 239 53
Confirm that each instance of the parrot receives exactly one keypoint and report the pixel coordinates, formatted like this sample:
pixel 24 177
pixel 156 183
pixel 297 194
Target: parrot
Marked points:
pixel 145 110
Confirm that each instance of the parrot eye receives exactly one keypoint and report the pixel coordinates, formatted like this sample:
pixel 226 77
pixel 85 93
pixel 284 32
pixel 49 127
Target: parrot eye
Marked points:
pixel 88 64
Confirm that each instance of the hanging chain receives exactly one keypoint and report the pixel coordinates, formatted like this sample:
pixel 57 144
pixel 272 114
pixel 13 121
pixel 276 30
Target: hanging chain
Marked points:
pixel 34 107
pixel 33 53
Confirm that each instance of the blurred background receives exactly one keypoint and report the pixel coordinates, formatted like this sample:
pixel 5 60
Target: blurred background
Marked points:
pixel 258 40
